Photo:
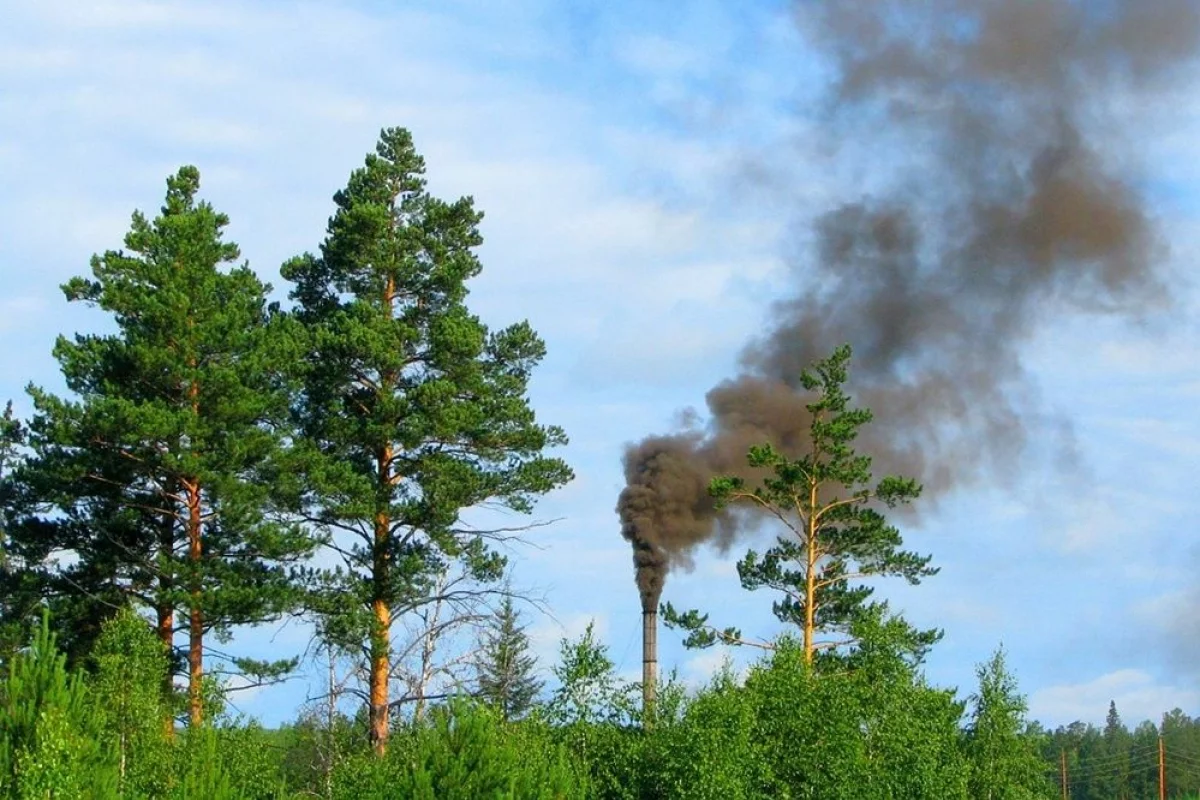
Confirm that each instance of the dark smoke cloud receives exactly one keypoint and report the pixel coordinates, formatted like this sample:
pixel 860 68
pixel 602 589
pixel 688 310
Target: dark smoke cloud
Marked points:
pixel 1011 213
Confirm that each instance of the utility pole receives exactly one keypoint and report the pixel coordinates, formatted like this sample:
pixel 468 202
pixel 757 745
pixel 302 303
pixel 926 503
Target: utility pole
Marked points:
pixel 1063 760
pixel 1162 770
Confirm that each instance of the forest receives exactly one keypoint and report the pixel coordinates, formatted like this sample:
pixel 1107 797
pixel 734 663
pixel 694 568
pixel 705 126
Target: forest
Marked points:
pixel 355 457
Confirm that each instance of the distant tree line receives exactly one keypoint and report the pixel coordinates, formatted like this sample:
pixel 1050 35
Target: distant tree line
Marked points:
pixel 1113 762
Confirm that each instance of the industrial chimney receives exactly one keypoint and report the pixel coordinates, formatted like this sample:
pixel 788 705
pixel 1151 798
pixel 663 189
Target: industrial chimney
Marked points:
pixel 649 662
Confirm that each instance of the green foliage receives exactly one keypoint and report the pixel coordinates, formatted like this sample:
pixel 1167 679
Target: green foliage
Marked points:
pixel 314 746
pixel 1181 738
pixel 465 751
pixel 871 729
pixel 505 669
pixel 875 731
pixel 129 664
pixel 12 436
pixel 1116 752
pixel 251 758
pixel 14 603
pixel 200 770
pixel 1004 762
pixel 834 532
pixel 589 690
pixel 51 741
pixel 411 410
pixel 230 762
pixel 595 713
pixel 154 475
pixel 712 752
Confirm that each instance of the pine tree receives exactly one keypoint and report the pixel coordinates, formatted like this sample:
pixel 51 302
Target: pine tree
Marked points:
pixel 412 410
pixel 505 668
pixel 156 475
pixel 834 534
pixel 12 436
pixel 1113 780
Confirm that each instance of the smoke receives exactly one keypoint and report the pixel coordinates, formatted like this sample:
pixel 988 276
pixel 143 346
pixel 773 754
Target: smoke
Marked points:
pixel 1010 211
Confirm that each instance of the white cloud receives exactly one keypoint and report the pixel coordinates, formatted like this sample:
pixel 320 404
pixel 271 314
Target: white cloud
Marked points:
pixel 1137 694
pixel 1169 622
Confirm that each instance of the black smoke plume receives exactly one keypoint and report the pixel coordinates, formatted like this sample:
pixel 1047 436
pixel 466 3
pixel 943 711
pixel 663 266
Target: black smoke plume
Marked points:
pixel 1011 211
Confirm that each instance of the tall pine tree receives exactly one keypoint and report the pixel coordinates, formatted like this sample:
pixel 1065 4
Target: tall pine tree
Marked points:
pixel 412 410
pixel 152 476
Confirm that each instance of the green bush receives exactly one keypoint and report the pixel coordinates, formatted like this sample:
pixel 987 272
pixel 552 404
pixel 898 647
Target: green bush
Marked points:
pixel 711 751
pixel 127 693
pixel 465 752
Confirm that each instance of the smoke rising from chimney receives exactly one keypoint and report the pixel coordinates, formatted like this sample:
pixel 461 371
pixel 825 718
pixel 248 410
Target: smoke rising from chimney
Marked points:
pixel 1010 213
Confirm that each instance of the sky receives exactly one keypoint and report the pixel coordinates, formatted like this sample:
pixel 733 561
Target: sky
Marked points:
pixel 649 173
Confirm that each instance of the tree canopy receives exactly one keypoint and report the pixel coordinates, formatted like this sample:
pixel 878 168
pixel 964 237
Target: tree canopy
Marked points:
pixel 412 410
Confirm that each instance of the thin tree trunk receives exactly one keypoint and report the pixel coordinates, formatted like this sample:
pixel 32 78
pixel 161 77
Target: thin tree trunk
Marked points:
pixel 330 723
pixel 165 622
pixel 810 578
pixel 428 648
pixel 196 616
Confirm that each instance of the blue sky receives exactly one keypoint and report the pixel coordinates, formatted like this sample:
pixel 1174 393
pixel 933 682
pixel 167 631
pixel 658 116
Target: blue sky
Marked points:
pixel 640 211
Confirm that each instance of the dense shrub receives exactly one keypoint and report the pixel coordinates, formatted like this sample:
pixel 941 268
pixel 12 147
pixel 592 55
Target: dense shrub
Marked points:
pixel 465 751
pixel 52 742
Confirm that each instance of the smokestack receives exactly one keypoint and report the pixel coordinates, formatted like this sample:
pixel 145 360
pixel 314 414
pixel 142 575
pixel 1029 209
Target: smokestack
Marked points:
pixel 1008 211
pixel 649 663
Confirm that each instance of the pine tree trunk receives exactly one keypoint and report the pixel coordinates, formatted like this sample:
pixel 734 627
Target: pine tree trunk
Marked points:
pixel 380 667
pixel 381 635
pixel 810 578
pixel 165 629
pixel 380 607
pixel 165 622
pixel 196 618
